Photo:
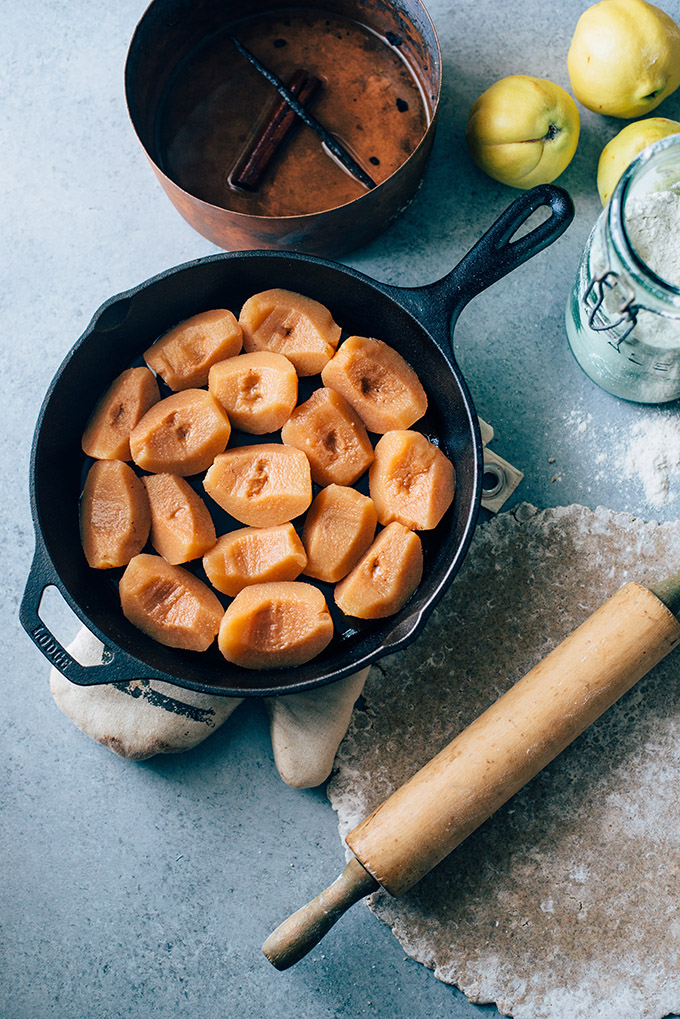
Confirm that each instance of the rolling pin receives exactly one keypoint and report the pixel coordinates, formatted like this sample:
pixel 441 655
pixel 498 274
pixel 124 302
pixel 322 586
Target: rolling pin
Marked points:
pixel 494 757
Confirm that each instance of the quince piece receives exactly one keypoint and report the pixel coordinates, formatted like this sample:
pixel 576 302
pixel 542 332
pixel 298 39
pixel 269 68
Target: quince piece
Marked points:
pixel 183 356
pixel 261 485
pixel 125 402
pixel 169 604
pixel 332 435
pixel 181 435
pixel 181 526
pixel 377 382
pixel 274 625
pixel 290 324
pixel 258 391
pixel 254 555
pixel 114 515
pixel 338 529
pixel 385 578
pixel 410 481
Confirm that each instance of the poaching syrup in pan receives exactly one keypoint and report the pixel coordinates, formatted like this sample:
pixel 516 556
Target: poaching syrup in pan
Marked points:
pixel 370 99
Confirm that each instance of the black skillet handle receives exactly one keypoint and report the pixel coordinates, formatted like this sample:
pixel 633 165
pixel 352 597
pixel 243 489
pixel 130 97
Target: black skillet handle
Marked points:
pixel 116 666
pixel 495 254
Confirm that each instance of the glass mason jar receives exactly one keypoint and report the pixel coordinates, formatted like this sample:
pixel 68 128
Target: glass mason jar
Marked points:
pixel 623 321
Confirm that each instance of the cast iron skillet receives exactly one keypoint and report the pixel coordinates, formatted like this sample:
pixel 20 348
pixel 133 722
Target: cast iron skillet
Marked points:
pixel 418 322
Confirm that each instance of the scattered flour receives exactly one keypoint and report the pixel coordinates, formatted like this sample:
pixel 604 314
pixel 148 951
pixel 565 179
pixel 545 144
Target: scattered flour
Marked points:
pixel 580 421
pixel 601 459
pixel 648 453
pixel 653 457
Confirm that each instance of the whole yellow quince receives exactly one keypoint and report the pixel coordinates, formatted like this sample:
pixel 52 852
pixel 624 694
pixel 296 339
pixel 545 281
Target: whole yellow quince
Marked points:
pixel 624 58
pixel 625 146
pixel 523 131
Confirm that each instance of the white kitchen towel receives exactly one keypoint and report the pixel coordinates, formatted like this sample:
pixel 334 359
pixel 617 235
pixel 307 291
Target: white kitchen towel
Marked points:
pixel 144 717
pixel 307 728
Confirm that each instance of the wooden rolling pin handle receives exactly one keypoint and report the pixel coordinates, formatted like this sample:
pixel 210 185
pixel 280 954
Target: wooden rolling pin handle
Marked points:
pixel 297 935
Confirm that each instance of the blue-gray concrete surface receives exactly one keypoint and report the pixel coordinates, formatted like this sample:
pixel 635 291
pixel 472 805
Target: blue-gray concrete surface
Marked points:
pixel 145 890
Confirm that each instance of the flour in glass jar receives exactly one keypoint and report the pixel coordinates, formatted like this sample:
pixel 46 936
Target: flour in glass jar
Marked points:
pixel 653 225
pixel 649 453
pixel 652 453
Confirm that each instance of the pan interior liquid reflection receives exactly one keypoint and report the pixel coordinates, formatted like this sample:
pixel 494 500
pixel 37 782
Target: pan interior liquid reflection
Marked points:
pixel 369 98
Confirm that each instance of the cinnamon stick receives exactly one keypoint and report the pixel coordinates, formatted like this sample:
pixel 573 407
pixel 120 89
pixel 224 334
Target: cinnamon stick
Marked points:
pixel 281 119
pixel 331 143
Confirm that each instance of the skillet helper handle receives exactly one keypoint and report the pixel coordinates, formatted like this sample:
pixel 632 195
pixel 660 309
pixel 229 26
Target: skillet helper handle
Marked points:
pixel 495 756
pixel 117 667
pixel 496 254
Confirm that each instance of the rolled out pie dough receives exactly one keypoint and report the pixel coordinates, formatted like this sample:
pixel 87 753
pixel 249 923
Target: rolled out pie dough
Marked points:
pixel 566 903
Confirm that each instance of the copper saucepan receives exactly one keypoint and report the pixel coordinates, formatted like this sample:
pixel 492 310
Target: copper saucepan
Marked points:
pixel 170 30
